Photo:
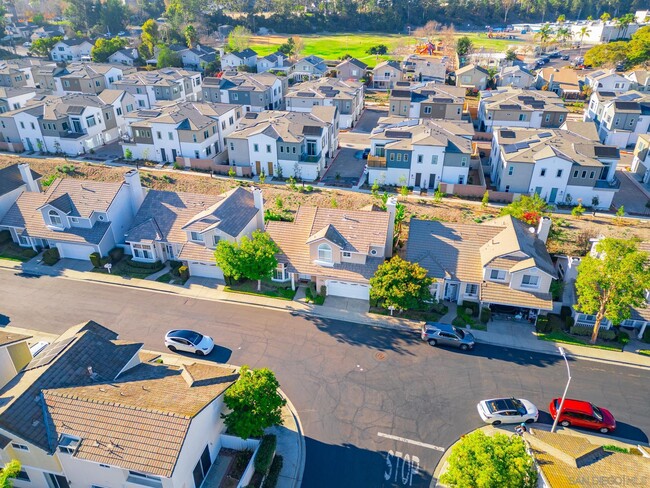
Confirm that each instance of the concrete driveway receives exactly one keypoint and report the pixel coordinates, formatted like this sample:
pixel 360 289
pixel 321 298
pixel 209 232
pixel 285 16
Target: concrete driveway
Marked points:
pixel 111 150
pixel 630 196
pixel 368 120
pixel 346 304
pixel 346 169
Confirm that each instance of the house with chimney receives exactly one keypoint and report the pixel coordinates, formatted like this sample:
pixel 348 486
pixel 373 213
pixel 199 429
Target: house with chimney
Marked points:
pixel 308 68
pixel 78 217
pixel 14 180
pixel 502 263
pixel 337 250
pixel 92 409
pixel 276 61
pixel 187 227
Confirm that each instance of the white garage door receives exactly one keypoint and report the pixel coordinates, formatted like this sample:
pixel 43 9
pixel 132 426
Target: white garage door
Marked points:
pixel 348 289
pixel 205 270
pixel 75 251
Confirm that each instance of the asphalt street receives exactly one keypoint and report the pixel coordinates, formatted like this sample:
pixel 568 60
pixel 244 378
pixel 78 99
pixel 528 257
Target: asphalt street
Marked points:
pixel 377 406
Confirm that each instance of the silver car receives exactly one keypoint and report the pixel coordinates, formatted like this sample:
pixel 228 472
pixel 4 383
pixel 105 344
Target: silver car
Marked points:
pixel 447 335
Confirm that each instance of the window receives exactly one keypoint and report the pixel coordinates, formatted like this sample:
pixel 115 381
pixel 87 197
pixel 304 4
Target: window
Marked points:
pixel 231 120
pixel 56 480
pixel 268 148
pixel 32 124
pixel 202 467
pixel 281 149
pixel 463 161
pixel 90 121
pixel 206 134
pixel 471 289
pixel 392 157
pixel 170 136
pixel 325 253
pixel 399 156
pixel 256 148
pixel 575 174
pixel 558 174
pixel 235 96
pixel 66 83
pixel 22 125
pixel 427 110
pixel 97 83
pixel 232 146
pixel 196 236
pixel 584 174
pixel 196 154
pixel 118 110
pixel 144 479
pixel 530 281
pixel 561 119
pixel 193 137
pixel 592 174
pixel 522 117
pixel 140 103
pixel 215 240
pixel 507 188
pixel 542 172
pixel 158 135
pixel 55 218
pixel 511 170
pixel 208 150
pixel 497 274
pixel 347 254
pixel 19 447
pixel 129 107
pixel 420 157
pixel 68 444
pixel 434 159
pixel 547 118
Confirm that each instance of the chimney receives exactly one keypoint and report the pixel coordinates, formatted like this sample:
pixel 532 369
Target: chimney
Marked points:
pixel 391 205
pixel 26 175
pixel 544 229
pixel 550 81
pixel 259 204
pixel 136 192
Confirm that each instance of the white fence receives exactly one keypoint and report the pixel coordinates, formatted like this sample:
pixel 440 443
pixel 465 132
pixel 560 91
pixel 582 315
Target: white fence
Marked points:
pixel 584 320
pixel 239 444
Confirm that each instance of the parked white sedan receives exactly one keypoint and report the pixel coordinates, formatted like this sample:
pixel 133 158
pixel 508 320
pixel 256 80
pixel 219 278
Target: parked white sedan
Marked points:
pixel 507 411
pixel 189 341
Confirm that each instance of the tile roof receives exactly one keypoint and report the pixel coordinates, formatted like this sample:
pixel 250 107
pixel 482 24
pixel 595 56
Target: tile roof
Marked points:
pixel 192 251
pixel 7 338
pixel 183 115
pixel 355 230
pixel 566 79
pixel 11 179
pixel 501 293
pixel 354 61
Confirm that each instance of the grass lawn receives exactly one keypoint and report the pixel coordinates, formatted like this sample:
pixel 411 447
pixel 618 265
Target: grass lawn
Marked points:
pixel 644 352
pixel 429 315
pixel 269 289
pixel 565 338
pixel 127 269
pixel 13 252
pixel 168 278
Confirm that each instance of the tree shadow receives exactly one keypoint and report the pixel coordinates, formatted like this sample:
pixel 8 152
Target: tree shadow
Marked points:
pixel 4 320
pixel 517 356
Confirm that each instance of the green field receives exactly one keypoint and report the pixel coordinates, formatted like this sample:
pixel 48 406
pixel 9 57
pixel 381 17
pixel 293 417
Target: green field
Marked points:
pixel 334 46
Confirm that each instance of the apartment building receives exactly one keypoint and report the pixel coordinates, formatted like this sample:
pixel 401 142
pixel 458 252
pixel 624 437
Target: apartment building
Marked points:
pixel 512 107
pixel 620 118
pixel 167 84
pixel 286 143
pixel 187 133
pixel 254 92
pixel 345 95
pixel 67 50
pixel 427 101
pixel 564 165
pixel 421 153
pixel 91 78
pixel 71 124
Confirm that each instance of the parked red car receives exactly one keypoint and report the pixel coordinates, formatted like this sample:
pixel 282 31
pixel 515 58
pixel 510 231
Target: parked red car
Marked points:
pixel 583 414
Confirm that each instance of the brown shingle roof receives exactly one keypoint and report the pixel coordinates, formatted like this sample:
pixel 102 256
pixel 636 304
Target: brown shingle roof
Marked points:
pixel 502 294
pixel 10 179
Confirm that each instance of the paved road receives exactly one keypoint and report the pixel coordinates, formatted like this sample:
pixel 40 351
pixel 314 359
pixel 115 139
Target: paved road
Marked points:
pixel 352 385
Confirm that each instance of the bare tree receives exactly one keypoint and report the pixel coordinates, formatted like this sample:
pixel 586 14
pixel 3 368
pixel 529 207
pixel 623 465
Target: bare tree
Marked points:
pixel 507 6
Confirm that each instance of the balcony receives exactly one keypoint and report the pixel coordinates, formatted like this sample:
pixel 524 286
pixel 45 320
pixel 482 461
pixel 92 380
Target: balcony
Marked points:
pixel 306 158
pixel 614 184
pixel 376 161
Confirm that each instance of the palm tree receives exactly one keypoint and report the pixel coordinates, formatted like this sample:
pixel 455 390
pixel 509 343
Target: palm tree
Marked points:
pixel 9 471
pixel 623 23
pixel 563 34
pixel 584 30
pixel 544 36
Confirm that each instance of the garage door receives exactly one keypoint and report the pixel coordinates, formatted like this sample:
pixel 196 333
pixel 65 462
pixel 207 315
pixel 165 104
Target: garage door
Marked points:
pixel 75 251
pixel 348 289
pixel 205 270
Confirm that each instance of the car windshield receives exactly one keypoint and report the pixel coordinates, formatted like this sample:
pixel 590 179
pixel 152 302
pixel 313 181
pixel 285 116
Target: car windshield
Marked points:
pixel 190 335
pixel 597 413
pixel 460 332
pixel 497 405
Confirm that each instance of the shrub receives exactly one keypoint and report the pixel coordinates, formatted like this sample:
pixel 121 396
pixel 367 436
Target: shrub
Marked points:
pixel 486 314
pixel 606 335
pixel 137 264
pixel 116 254
pixel 623 337
pixel 184 273
pixel 543 326
pixel 473 306
pixel 51 256
pixel 565 312
pixel 569 322
pixel 95 259
pixel 646 335
pixel 5 236
pixel 265 453
pixel 271 479
pixel 323 291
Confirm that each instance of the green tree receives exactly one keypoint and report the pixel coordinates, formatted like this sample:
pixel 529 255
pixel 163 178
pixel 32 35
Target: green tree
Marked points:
pixel 43 46
pixel 561 19
pixel 638 51
pixel 254 402
pixel 378 50
pixel 103 48
pixel 150 36
pixel 464 46
pixel 191 36
pixel 167 58
pixel 482 461
pixel 486 199
pixel 82 14
pixel 527 208
pixel 578 210
pixel 563 34
pixel 623 24
pixel 239 38
pixel 211 68
pixel 9 472
pixel 605 17
pixel 612 281
pixel 544 36
pixel 113 16
pixel 400 217
pixel 227 256
pixel 511 55
pixel 607 54
pixel 400 284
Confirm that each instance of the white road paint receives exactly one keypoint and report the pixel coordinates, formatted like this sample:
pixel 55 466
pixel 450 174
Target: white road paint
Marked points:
pixel 410 468
pixel 411 441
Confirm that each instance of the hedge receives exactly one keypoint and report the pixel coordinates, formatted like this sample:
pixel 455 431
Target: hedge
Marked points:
pixel 5 236
pixel 606 335
pixel 271 479
pixel 543 324
pixel 95 259
pixel 473 305
pixel 265 453
pixel 486 315
pixel 51 256
pixel 184 273
pixel 116 254
pixel 138 264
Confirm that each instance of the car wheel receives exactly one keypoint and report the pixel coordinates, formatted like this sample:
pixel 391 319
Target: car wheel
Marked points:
pixel 464 347
pixel 496 422
pixel 432 342
pixel 199 352
pixel 530 421
pixel 565 423
pixel 171 348
pixel 604 430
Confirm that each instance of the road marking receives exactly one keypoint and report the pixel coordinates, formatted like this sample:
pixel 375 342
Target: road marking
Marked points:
pixel 410 441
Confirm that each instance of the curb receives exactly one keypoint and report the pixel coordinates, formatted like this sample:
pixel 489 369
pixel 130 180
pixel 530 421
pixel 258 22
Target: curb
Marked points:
pixel 301 457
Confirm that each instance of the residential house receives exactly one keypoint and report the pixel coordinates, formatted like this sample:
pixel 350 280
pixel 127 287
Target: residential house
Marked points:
pixel 563 81
pixel 308 68
pixel 424 68
pixel 45 75
pixel 351 69
pixel 15 98
pixel 167 84
pixel 386 74
pixel 511 107
pixel 94 410
pixel 126 57
pixel 641 160
pixel 488 60
pixel 337 250
pixel 27 66
pixel 516 77
pixel 499 263
pixel 285 143
pixel 620 118
pixel 561 165
pixel 254 92
pixel 640 80
pixel 92 78
pixel 191 134
pixel 235 59
pixel 46 31
pixel 276 61
pixel 78 217
pixel 123 103
pixel 345 95
pixel 472 77
pixel 194 58
pixel 12 77
pixel 608 81
pixel 67 50
pixel 187 226
pixel 427 100
pixel 72 124
pixel 14 356
pixel 14 180
pixel 420 152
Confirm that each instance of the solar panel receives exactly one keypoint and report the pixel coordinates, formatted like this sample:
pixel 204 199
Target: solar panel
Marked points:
pixel 544 134
pixel 311 130
pixel 49 353
pixel 606 151
pixel 306 94
pixel 627 105
pixel 398 134
pixel 508 107
pixel 510 148
pixel 507 134
pixel 536 104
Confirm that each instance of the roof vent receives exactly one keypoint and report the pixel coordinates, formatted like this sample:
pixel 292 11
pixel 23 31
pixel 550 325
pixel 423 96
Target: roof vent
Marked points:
pixel 91 373
pixel 531 230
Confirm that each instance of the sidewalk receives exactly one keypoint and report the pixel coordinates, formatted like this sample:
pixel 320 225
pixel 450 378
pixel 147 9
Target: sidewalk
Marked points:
pixel 500 333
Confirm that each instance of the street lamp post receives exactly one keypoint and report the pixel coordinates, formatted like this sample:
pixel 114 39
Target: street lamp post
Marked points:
pixel 566 388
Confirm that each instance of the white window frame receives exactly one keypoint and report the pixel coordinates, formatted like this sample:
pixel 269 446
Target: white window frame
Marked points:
pixel 500 275
pixel 533 281
pixel 54 216
pixel 196 236
pixel 325 253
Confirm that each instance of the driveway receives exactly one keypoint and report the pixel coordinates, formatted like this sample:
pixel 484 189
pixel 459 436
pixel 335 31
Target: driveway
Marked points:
pixel 346 304
pixel 346 169
pixel 368 120
pixel 111 150
pixel 630 196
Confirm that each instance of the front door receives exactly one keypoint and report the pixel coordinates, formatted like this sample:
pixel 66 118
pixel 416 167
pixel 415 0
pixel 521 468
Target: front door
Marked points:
pixel 29 144
pixel 270 165
pixel 258 168
pixel 553 195
pixel 538 190
pixel 418 179
pixel 77 125
pixel 432 181
pixel 163 155
pixel 451 292
pixel 174 153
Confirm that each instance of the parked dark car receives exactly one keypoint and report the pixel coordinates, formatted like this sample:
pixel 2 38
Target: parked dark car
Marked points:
pixel 564 57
